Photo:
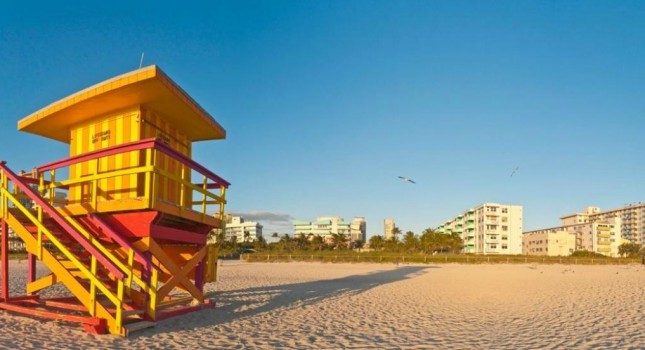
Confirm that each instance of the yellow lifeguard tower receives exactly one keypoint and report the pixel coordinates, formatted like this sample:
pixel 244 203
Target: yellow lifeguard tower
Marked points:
pixel 130 240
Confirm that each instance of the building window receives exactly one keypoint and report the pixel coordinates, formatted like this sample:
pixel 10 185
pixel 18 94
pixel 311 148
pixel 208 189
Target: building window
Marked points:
pixel 504 210
pixel 504 238
pixel 504 228
pixel 504 246
pixel 493 246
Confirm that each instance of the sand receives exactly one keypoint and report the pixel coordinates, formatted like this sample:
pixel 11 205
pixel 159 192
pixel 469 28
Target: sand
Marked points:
pixel 384 306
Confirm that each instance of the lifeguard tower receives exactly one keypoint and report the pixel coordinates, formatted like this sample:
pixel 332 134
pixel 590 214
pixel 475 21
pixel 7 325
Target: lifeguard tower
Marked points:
pixel 129 242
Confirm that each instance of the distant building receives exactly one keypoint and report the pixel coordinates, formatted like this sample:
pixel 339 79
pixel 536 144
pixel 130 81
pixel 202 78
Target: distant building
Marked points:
pixel 244 231
pixel 388 228
pixel 549 242
pixel 490 228
pixel 602 238
pixel 358 229
pixel 630 220
pixel 326 226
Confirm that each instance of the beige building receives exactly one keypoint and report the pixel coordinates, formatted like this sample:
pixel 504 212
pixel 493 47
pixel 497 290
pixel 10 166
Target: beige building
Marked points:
pixel 549 242
pixel 490 228
pixel 629 219
pixel 358 229
pixel 388 228
pixel 597 237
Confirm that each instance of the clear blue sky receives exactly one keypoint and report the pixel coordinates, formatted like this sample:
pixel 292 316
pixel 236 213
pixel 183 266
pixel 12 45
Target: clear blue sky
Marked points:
pixel 326 103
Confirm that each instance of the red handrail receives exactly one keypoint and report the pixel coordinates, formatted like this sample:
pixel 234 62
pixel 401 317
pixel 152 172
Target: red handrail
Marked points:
pixel 136 146
pixel 60 220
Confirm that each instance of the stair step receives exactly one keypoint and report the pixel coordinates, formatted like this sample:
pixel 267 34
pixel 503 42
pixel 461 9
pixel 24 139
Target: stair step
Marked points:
pixel 137 326
pixel 79 258
pixel 133 312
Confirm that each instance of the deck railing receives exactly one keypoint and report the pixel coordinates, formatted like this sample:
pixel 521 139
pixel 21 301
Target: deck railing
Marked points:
pixel 199 197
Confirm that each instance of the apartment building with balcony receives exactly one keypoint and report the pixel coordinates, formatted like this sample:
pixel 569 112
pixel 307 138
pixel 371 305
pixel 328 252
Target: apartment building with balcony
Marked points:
pixel 629 219
pixel 326 226
pixel 244 231
pixel 598 237
pixel 490 228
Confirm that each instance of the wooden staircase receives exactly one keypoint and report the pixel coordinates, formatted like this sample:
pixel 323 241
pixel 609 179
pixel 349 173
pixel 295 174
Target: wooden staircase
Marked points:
pixel 108 287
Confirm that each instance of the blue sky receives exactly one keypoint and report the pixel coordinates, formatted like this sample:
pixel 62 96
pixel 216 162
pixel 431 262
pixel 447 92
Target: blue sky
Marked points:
pixel 327 102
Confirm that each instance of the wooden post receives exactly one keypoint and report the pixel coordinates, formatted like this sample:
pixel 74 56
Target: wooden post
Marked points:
pixel 5 260
pixel 31 268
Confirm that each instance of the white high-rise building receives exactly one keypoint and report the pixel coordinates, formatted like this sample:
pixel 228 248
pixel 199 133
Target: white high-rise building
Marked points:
pixel 490 228
pixel 244 231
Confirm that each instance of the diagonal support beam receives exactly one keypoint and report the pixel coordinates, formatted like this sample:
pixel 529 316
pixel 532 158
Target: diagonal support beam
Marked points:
pixel 178 275
pixel 41 283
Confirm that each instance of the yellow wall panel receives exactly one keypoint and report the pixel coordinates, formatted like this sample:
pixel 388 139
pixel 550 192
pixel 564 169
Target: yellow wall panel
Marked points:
pixel 100 133
pixel 121 127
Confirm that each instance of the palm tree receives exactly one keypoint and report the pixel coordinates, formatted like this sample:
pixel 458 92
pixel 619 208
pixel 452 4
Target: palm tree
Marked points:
pixel 396 232
pixel 301 241
pixel 410 242
pixel 629 249
pixel 376 242
pixel 285 242
pixel 338 240
pixel 318 242
pixel 247 235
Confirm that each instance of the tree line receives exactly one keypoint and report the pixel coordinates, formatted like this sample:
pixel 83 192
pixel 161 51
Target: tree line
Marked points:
pixel 428 242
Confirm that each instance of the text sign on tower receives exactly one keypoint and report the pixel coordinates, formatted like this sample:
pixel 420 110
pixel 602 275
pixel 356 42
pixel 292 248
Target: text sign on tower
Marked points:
pixel 101 136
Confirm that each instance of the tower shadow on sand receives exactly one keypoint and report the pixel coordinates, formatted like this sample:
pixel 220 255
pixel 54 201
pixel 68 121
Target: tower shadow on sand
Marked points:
pixel 236 304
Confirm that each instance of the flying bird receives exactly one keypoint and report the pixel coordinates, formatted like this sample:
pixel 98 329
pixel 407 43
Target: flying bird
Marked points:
pixel 406 179
pixel 514 170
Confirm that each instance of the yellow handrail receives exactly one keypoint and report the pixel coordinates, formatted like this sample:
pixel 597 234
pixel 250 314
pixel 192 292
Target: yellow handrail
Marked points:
pixel 59 245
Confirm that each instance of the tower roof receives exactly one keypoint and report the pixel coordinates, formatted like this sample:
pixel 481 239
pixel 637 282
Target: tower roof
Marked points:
pixel 149 87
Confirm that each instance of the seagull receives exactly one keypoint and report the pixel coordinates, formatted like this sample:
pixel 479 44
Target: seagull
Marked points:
pixel 406 179
pixel 514 170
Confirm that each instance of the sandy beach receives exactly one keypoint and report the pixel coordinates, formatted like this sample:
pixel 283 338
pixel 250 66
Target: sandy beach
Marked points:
pixel 384 306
